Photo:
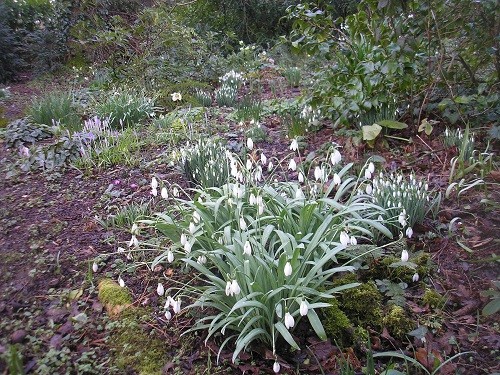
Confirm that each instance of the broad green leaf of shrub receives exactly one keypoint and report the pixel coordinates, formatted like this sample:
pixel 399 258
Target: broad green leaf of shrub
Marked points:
pixel 371 132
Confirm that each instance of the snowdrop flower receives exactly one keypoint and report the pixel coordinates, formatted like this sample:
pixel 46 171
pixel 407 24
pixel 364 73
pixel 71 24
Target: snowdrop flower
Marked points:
pixel 250 143
pixel 95 267
pixel 336 179
pixel 237 191
pixel 154 186
pixel 192 228
pixel 369 189
pixel 294 145
pixel 247 248
pixel 243 224
pixel 301 177
pixel 368 174
pixel 134 229
pixel 176 306
pixel 249 164
pixel 196 217
pixel 263 159
pixel 24 151
pixel 303 308
pixel 176 96
pixel 289 320
pixel 318 174
pixel 187 247
pixel 164 193
pixel 235 288
pixel 335 157
pixel 260 207
pixel 288 269
pixel 228 288
pixel 415 277
pixel 292 165
pixel 353 241
pixel 175 192
pixel 133 241
pixel 276 367
pixel 270 166
pixel 409 232
pixel 344 238
pixel 120 250
pixel 170 256
pixel 160 289
pixel 258 173
pixel 371 168
pixel 168 315
pixel 252 200
pixel 402 219
pixel 183 239
pixel 202 259
pixel 121 282
pixel 404 256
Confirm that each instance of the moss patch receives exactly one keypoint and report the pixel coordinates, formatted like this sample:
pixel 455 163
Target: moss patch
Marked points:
pixel 397 323
pixel 113 294
pixel 433 299
pixel 382 268
pixel 335 322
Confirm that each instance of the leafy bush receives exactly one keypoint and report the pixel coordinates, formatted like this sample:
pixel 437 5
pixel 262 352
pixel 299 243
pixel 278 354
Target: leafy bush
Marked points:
pixel 265 255
pixel 23 131
pixel 125 108
pixel 55 108
pixel 10 60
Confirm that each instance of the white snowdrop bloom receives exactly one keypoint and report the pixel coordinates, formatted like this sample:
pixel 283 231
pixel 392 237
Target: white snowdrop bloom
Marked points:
pixel 335 157
pixel 160 289
pixel 243 224
pixel 183 239
pixel 249 164
pixel 192 228
pixel 263 159
pixel 134 229
pixel 409 232
pixel 95 267
pixel 235 288
pixel 402 219
pixel 252 200
pixel 426 187
pixel 175 192
pixel 187 247
pixel 288 269
pixel 154 183
pixel 202 259
pixel 404 256
pixel 371 168
pixel 164 193
pixel 133 241
pixel 121 282
pixel 170 256
pixel 260 208
pixel 289 320
pixel 294 146
pixel 304 308
pixel 353 241
pixel 258 173
pixel 344 238
pixel 292 165
pixel 247 248
pixel 168 315
pixel 276 367
pixel 176 96
pixel 299 194
pixel 301 177
pixel 250 143
pixel 270 166
pixel 369 189
pixel 228 288
pixel 368 174
pixel 239 177
pixel 415 277
pixel 336 179
pixel 318 174
pixel 196 217
pixel 120 250
pixel 176 306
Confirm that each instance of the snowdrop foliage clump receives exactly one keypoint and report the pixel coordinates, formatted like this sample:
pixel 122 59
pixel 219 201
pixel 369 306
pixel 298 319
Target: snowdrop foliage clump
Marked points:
pixel 269 252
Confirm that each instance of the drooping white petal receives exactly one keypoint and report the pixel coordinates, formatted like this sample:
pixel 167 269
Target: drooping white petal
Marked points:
pixel 263 159
pixel 288 269
pixel 250 143
pixel 335 157
pixel 353 240
pixel 276 367
pixel 292 165
pixel 344 238
pixel 228 289
pixel 95 267
pixel 294 146
pixel 164 193
pixel 404 256
pixel 304 308
pixel 121 282
pixel 409 232
pixel 301 177
pixel 289 320
pixel 247 248
pixel 160 289
pixel 415 277
pixel 235 288
pixel 183 239
pixel 170 256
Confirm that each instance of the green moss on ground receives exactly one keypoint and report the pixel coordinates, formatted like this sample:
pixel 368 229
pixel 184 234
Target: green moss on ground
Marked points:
pixel 111 293
pixel 397 322
pixel 433 299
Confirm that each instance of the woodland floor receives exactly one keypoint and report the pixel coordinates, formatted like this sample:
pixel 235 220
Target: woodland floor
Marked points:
pixel 49 238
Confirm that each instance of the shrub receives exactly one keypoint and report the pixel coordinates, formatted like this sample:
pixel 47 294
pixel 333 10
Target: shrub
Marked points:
pixel 125 108
pixel 23 131
pixel 55 108
pixel 265 255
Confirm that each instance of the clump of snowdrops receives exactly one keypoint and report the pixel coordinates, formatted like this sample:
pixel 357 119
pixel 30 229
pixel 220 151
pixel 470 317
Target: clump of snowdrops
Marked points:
pixel 264 253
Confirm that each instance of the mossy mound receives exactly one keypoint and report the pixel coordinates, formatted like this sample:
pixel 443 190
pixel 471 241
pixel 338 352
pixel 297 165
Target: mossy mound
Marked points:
pixel 397 322
pixel 433 299
pixel 335 321
pixel 113 296
pixel 383 268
